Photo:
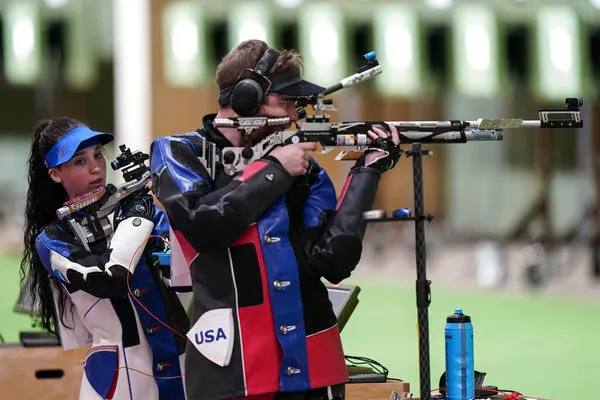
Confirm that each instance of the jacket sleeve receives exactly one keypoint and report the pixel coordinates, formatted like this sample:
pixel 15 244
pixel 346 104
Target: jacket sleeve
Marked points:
pixel 102 274
pixel 160 230
pixel 334 240
pixel 211 215
pixel 161 223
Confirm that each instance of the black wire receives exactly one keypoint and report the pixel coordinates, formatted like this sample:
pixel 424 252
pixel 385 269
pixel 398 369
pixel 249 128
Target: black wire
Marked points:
pixel 376 366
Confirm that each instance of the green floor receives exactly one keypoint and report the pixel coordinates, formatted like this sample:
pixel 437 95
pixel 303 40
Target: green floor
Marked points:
pixel 537 345
pixel 10 323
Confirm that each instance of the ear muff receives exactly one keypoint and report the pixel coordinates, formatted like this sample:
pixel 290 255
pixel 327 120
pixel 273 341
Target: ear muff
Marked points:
pixel 249 92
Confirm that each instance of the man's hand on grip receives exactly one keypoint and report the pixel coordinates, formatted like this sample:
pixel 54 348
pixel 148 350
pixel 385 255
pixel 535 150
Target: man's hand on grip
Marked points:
pixel 384 152
pixel 294 157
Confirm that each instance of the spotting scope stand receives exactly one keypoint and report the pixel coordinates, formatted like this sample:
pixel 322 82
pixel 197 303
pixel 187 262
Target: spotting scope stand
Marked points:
pixel 568 117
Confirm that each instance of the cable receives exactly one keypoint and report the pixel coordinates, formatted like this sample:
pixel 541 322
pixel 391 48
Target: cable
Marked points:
pixel 134 297
pixel 504 392
pixel 360 361
pixel 150 375
pixel 507 390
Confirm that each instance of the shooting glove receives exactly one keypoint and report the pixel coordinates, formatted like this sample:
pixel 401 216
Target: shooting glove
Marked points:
pixel 136 205
pixel 389 154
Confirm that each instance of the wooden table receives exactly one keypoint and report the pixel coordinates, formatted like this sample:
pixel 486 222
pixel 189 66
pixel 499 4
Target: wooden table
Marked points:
pixel 49 373
pixel 41 373
pixel 497 397
pixel 376 391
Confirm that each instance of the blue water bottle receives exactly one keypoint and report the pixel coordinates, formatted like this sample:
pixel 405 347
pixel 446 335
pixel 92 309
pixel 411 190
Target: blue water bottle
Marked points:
pixel 460 368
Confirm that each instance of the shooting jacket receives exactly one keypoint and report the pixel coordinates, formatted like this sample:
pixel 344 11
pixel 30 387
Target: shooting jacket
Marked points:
pixel 131 352
pixel 258 244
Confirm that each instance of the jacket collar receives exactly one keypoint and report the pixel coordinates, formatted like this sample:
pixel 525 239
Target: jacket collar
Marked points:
pixel 212 133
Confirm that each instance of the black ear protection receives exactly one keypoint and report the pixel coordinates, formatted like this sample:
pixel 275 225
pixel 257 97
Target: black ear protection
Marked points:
pixel 248 93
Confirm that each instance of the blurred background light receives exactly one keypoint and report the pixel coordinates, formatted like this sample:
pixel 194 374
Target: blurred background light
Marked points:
pixel 439 4
pixel 184 44
pixel 559 71
pixel 250 20
pixel 289 3
pixel 56 3
pixel 22 58
pixel 397 40
pixel 81 63
pixel 322 43
pixel 595 3
pixel 476 58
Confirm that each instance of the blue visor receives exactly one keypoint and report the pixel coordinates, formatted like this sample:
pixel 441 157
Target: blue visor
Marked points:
pixel 75 140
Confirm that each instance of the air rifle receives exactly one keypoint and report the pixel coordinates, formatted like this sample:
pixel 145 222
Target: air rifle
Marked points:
pixel 93 224
pixel 353 135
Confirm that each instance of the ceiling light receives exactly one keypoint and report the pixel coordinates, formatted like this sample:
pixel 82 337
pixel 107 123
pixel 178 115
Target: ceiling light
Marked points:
pixel 288 3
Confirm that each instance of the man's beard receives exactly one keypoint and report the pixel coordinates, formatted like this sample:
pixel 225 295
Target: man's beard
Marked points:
pixel 260 133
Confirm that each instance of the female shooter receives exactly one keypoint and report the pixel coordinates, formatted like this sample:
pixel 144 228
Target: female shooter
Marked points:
pixel 105 293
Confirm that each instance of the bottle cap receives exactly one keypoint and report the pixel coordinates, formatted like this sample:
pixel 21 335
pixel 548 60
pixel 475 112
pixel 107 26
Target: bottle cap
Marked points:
pixel 402 213
pixel 458 317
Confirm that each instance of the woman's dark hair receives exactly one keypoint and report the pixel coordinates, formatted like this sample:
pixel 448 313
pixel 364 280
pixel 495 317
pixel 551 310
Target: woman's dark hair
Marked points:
pixel 44 197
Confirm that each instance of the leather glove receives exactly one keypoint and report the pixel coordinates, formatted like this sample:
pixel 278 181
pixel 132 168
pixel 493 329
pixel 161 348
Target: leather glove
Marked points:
pixel 389 154
pixel 136 205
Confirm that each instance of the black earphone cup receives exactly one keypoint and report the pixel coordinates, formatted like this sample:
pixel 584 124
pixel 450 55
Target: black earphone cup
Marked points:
pixel 246 97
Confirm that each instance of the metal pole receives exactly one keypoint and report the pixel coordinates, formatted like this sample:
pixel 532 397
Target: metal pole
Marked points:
pixel 423 289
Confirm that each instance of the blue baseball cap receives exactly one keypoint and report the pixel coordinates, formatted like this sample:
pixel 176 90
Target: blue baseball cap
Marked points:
pixel 75 140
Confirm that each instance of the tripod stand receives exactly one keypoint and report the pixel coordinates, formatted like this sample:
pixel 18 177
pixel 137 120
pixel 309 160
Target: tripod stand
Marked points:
pixel 423 286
